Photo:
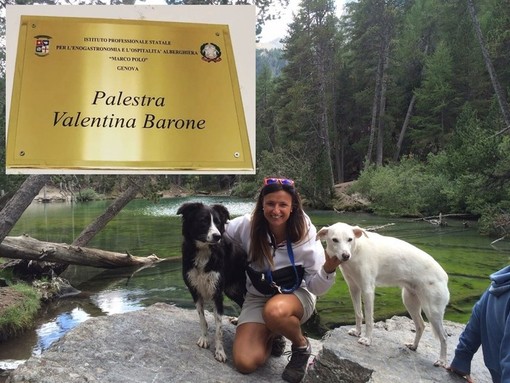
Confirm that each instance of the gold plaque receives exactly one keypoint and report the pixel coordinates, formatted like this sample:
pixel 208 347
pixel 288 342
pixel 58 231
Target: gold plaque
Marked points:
pixel 126 94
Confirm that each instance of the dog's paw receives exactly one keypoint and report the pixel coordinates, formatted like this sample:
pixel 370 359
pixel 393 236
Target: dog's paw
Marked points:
pixel 354 332
pixel 220 355
pixel 203 342
pixel 440 363
pixel 364 341
pixel 411 346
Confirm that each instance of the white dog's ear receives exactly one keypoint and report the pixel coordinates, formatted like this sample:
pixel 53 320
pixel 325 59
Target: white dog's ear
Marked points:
pixel 358 232
pixel 321 233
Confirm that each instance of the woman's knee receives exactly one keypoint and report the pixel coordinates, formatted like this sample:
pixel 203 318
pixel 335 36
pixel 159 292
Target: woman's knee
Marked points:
pixel 250 347
pixel 282 306
pixel 244 364
pixel 272 313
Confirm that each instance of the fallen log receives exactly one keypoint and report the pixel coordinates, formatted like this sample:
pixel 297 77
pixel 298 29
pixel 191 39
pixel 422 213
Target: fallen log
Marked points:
pixel 26 247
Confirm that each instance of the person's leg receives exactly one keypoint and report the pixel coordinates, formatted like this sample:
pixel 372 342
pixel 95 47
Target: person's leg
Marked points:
pixel 252 346
pixel 282 314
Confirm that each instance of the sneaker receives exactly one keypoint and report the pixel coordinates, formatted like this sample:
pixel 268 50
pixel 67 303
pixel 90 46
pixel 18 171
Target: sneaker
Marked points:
pixel 295 370
pixel 278 346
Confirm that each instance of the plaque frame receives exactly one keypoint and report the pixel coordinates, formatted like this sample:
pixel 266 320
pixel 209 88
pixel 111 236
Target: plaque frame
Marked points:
pixel 246 164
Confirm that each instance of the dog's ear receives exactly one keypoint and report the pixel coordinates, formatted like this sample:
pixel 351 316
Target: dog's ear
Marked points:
pixel 189 207
pixel 321 233
pixel 358 232
pixel 222 212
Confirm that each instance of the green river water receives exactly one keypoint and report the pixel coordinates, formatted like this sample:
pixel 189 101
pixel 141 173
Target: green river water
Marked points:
pixel 145 228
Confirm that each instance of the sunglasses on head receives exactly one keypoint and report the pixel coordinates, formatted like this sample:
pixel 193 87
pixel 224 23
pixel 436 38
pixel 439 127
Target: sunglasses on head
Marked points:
pixel 281 181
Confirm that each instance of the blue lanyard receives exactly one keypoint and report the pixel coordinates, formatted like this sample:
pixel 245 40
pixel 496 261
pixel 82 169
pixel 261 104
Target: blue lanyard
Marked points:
pixel 281 289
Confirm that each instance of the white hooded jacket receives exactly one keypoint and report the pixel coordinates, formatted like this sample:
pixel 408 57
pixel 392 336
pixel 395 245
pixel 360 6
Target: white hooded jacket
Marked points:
pixel 308 254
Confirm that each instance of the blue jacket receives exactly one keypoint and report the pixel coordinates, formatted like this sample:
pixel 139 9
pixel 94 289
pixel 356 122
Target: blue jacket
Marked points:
pixel 489 326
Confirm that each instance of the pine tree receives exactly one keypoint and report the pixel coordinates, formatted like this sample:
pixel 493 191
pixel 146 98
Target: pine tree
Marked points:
pixel 433 119
pixel 305 95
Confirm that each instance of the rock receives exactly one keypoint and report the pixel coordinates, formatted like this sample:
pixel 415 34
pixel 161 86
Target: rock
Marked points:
pixel 347 201
pixel 158 344
pixel 54 288
pixel 7 365
pixel 344 360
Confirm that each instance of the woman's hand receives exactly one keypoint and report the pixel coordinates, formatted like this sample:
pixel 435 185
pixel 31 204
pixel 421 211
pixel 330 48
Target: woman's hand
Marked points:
pixel 331 264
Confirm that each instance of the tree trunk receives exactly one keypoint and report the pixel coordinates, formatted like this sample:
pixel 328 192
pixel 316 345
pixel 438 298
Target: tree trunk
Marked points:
pixel 500 95
pixel 404 127
pixel 111 211
pixel 15 207
pixel 375 112
pixel 382 103
pixel 409 110
pixel 27 248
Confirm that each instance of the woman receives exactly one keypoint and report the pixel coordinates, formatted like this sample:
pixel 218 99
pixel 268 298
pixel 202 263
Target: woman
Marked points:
pixel 288 268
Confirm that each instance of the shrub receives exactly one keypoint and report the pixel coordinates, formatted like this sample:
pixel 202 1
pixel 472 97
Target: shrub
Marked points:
pixel 495 221
pixel 86 195
pixel 403 189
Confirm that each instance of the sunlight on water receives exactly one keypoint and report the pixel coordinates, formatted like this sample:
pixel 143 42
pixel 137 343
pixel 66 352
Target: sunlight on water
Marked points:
pixel 109 301
pixel 52 331
pixel 118 301
pixel 169 207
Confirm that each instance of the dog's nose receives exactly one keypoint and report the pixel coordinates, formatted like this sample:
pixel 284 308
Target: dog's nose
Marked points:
pixel 216 237
pixel 345 256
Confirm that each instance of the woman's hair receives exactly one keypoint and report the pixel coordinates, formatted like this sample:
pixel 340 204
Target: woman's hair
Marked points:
pixel 260 248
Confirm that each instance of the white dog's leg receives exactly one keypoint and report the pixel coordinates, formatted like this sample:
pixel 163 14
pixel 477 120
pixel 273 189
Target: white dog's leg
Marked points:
pixel 219 353
pixel 358 313
pixel 413 306
pixel 436 322
pixel 443 336
pixel 202 341
pixel 368 301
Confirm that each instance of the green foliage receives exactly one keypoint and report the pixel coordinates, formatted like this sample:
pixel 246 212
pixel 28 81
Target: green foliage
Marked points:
pixel 266 131
pixel 87 195
pixel 495 221
pixel 289 163
pixel 470 176
pixel 403 189
pixel 247 188
pixel 433 119
pixel 297 141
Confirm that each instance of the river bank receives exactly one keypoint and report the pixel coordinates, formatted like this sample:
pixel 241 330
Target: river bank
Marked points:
pixel 19 304
pixel 344 201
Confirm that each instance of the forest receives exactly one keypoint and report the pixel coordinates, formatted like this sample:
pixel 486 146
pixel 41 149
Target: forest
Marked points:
pixel 407 98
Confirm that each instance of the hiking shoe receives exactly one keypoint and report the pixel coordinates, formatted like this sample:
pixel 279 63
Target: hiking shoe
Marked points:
pixel 278 346
pixel 295 370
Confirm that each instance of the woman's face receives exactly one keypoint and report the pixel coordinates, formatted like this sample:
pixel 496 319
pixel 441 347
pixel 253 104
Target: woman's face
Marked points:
pixel 277 207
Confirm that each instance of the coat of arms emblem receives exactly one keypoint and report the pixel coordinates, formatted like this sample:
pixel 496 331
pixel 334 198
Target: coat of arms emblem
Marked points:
pixel 210 52
pixel 42 45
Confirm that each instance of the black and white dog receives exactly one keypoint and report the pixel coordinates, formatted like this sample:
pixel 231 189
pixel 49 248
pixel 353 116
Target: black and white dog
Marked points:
pixel 212 265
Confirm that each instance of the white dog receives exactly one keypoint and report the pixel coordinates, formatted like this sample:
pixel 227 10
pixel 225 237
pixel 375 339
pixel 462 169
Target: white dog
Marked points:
pixel 370 260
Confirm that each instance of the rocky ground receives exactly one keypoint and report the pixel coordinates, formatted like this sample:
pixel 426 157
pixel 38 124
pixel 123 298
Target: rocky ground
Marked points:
pixel 158 345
